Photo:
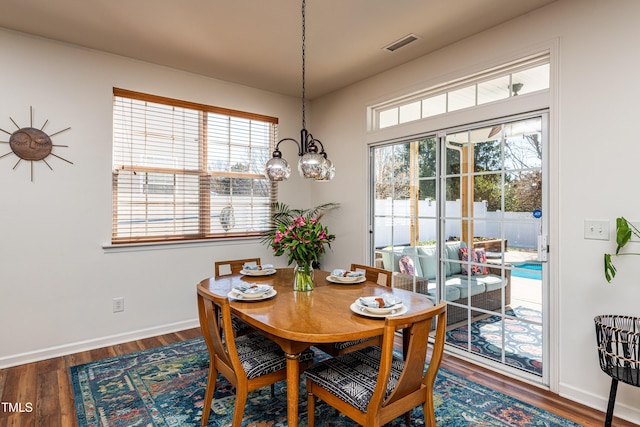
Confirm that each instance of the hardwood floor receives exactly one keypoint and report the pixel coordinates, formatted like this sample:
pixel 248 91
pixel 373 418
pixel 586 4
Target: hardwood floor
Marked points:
pixel 43 389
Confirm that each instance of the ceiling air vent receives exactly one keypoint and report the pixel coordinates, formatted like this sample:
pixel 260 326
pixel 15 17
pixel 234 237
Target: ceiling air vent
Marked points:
pixel 401 43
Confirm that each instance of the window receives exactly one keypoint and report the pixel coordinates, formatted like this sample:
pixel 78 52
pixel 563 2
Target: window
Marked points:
pixel 185 171
pixel 527 75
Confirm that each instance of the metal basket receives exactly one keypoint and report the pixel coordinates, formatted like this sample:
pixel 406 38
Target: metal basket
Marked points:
pixel 618 339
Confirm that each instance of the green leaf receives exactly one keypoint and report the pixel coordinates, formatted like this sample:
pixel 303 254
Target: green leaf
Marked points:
pixel 623 233
pixel 609 268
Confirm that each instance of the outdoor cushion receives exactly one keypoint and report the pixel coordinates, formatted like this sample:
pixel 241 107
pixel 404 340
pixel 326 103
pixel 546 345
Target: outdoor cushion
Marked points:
pixel 461 282
pixel 352 376
pixel 407 266
pixel 481 256
pixel 452 293
pixel 391 258
pixel 259 355
pixel 477 256
pixel 428 264
pixel 452 252
pixel 428 261
pixel 491 281
pixel 412 251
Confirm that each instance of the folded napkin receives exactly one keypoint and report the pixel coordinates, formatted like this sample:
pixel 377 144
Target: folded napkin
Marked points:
pixel 251 288
pixel 338 272
pixel 387 300
pixel 248 267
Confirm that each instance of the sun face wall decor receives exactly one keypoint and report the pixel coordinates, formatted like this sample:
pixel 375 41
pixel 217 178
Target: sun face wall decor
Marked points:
pixel 32 144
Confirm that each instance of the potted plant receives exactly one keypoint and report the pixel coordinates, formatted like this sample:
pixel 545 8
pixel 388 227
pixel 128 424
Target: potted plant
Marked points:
pixel 624 231
pixel 299 233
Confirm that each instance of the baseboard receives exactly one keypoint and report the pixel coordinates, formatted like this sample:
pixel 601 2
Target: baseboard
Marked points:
pixel 621 410
pixel 63 350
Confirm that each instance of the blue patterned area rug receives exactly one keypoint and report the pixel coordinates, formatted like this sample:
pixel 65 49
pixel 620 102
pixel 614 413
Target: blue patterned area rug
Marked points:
pixel 165 386
pixel 522 338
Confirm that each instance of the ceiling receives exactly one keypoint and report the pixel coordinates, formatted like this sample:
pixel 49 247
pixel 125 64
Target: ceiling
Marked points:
pixel 258 43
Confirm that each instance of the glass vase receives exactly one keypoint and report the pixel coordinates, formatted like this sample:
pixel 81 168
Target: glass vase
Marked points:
pixel 303 278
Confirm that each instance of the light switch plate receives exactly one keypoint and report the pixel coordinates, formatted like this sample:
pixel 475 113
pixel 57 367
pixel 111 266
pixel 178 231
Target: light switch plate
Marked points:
pixel 596 229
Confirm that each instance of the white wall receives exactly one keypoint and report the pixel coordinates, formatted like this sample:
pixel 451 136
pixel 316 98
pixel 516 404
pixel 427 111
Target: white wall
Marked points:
pixel 594 157
pixel 56 280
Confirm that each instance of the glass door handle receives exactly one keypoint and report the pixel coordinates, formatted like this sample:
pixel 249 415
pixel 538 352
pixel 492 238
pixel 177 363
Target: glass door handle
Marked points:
pixel 543 247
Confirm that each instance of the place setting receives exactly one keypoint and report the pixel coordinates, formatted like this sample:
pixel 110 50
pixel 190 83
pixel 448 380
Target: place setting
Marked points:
pixel 252 292
pixel 257 270
pixel 342 276
pixel 379 306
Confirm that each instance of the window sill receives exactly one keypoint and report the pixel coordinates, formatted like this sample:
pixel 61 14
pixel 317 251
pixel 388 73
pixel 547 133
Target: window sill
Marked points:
pixel 155 246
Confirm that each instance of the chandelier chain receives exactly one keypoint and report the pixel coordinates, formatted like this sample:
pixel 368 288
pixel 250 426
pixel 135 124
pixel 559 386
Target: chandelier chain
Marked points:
pixel 313 162
pixel 304 122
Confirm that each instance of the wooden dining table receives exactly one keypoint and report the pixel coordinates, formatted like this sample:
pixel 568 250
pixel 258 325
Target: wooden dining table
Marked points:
pixel 298 320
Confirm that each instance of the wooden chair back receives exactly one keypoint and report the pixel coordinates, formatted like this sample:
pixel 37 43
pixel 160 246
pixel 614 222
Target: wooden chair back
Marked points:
pixel 413 387
pixel 215 322
pixel 378 275
pixel 266 368
pixel 224 268
pixel 412 382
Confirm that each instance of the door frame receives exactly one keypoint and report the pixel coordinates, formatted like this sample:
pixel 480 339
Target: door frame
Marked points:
pixel 549 224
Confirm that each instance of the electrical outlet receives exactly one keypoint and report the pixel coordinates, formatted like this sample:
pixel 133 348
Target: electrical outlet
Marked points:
pixel 596 229
pixel 118 304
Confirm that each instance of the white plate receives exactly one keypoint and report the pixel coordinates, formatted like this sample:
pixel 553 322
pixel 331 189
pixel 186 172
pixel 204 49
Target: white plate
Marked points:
pixel 359 309
pixel 258 272
pixel 254 290
pixel 336 279
pixel 381 310
pixel 240 297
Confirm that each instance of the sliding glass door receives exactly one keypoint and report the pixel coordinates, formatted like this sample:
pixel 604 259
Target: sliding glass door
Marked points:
pixel 459 216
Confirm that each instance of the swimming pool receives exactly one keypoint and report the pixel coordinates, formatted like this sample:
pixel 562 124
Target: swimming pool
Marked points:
pixel 528 270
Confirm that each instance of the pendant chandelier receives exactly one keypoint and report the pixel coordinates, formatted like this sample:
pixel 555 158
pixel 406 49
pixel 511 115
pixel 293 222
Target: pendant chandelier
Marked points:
pixel 313 162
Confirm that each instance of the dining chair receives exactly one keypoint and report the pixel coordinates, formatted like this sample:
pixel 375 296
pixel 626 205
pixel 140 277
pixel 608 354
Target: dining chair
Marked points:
pixel 374 385
pixel 248 362
pixel 372 274
pixel 233 266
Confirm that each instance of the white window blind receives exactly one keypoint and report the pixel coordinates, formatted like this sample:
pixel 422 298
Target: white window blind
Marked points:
pixel 185 171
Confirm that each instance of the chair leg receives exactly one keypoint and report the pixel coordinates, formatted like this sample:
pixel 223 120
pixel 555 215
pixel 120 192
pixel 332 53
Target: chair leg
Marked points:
pixel 612 402
pixel 428 410
pixel 311 409
pixel 273 390
pixel 238 411
pixel 208 394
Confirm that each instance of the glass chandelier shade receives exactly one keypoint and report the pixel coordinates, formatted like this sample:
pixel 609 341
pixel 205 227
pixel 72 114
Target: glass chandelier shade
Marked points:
pixel 277 169
pixel 312 164
pixel 330 172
